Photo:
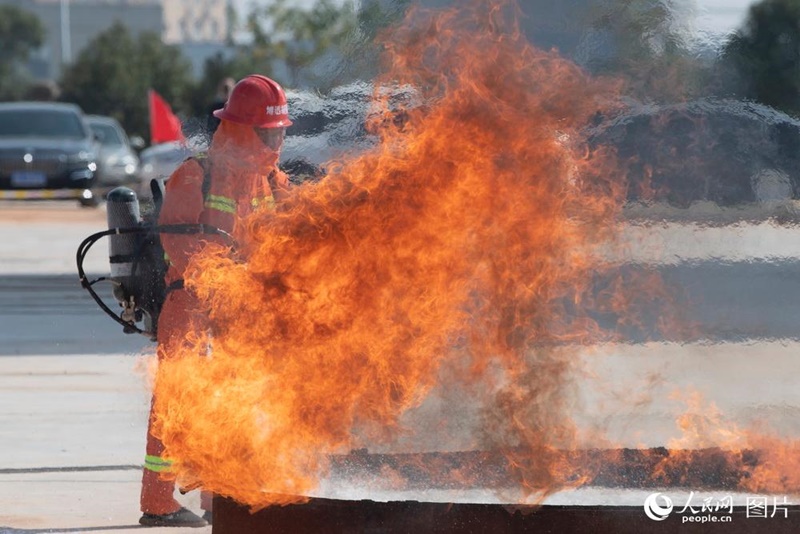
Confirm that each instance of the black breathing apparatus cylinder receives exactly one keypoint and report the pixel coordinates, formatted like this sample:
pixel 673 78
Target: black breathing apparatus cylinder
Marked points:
pixel 136 257
pixel 136 260
pixel 123 212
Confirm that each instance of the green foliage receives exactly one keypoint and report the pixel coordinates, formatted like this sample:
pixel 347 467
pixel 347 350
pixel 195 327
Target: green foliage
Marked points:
pixel 639 30
pixel 362 49
pixel 763 57
pixel 309 34
pixel 648 46
pixel 216 68
pixel 301 38
pixel 20 33
pixel 219 67
pixel 298 37
pixel 113 73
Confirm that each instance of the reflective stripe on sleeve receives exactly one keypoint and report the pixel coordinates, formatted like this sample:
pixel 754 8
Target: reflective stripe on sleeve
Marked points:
pixel 225 204
pixel 266 202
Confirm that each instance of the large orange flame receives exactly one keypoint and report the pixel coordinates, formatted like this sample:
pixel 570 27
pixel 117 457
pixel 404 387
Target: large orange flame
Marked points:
pixel 461 242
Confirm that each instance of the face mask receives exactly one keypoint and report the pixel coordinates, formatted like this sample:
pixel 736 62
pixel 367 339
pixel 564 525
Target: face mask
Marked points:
pixel 272 138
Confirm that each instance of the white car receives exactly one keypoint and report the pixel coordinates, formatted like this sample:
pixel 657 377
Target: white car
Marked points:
pixel 117 162
pixel 159 161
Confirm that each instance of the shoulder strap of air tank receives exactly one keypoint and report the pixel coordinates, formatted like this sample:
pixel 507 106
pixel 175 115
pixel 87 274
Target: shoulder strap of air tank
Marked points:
pixel 203 160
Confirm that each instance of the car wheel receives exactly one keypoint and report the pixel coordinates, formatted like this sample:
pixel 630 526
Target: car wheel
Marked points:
pixel 92 202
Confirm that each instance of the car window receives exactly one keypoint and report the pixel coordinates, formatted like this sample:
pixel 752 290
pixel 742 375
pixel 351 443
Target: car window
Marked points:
pixel 106 134
pixel 40 123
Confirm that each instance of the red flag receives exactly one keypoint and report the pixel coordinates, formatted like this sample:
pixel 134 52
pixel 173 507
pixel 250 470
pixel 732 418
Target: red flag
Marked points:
pixel 164 124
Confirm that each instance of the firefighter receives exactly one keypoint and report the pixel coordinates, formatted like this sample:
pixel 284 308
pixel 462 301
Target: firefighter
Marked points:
pixel 239 174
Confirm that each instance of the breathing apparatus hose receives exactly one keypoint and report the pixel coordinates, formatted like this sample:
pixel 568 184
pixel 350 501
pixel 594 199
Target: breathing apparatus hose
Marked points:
pixel 89 241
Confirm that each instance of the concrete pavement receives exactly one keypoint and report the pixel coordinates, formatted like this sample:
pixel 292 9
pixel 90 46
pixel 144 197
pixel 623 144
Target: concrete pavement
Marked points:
pixel 73 388
pixel 72 438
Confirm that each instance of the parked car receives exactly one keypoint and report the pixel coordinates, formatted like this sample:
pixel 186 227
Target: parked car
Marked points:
pixel 159 161
pixel 327 127
pixel 117 161
pixel 47 151
pixel 728 152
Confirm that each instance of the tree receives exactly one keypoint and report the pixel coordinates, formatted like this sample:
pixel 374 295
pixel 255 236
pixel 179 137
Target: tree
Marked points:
pixel 763 57
pixel 303 39
pixel 300 37
pixel 648 44
pixel 20 33
pixel 362 48
pixel 310 34
pixel 113 73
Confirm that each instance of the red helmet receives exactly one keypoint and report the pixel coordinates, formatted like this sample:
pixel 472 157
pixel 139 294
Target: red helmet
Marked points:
pixel 256 101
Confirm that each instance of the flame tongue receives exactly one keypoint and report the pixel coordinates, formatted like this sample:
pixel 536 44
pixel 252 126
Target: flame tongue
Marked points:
pixel 459 240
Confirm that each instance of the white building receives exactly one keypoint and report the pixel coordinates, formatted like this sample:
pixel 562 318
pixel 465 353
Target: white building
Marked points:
pixel 195 21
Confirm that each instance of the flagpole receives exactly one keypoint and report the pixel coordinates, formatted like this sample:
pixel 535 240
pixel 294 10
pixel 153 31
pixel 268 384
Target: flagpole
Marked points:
pixel 150 113
pixel 66 38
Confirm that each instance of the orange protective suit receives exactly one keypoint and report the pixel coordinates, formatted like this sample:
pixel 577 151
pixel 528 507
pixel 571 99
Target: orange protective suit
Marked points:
pixel 241 167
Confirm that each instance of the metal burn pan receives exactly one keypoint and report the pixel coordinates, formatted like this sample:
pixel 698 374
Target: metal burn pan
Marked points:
pixel 627 475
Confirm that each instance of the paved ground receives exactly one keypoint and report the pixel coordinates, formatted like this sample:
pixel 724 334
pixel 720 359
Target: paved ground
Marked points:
pixel 73 388
pixel 71 439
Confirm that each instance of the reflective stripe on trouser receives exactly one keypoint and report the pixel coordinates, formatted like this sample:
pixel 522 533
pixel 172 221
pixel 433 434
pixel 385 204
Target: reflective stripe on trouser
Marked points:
pixel 157 489
pixel 157 464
